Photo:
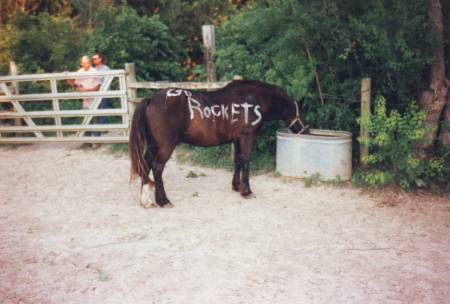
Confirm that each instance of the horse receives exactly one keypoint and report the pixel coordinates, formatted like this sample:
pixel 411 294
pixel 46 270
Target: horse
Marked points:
pixel 233 114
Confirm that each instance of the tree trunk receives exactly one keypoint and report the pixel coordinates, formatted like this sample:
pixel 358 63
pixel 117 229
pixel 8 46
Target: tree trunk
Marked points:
pixel 445 126
pixel 434 99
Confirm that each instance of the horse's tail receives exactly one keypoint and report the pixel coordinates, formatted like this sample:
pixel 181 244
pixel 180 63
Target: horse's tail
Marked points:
pixel 140 135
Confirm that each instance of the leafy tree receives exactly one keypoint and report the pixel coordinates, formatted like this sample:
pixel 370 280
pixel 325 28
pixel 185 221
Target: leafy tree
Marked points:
pixel 146 42
pixel 185 19
pixel 435 98
pixel 40 43
pixel 347 40
pixel 9 8
pixel 46 43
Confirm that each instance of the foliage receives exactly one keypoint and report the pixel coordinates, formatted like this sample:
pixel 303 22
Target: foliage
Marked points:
pixel 49 43
pixel 40 43
pixel 393 138
pixel 347 40
pixel 146 42
pixel 118 149
pixel 186 19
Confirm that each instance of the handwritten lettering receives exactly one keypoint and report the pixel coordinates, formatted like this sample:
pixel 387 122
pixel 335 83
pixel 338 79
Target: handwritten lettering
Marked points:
pixel 194 105
pixel 224 110
pixel 258 113
pixel 234 107
pixel 227 112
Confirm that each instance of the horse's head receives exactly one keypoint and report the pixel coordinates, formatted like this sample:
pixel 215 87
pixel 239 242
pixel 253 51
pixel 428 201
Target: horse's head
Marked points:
pixel 295 120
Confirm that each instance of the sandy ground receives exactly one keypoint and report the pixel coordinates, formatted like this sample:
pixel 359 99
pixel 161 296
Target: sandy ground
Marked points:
pixel 72 231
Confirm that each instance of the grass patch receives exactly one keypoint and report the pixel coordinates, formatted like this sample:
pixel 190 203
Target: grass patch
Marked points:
pixel 221 157
pixel 191 174
pixel 337 182
pixel 118 149
pixel 312 180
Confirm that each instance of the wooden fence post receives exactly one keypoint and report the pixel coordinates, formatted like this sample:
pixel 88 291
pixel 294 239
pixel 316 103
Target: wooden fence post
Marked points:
pixel 209 45
pixel 365 111
pixel 130 76
pixel 14 88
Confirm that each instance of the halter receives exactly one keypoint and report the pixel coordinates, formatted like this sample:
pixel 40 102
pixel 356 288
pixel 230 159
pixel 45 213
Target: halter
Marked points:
pixel 297 118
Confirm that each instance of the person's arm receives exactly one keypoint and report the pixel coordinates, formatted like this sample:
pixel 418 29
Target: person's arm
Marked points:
pixel 72 83
pixel 96 88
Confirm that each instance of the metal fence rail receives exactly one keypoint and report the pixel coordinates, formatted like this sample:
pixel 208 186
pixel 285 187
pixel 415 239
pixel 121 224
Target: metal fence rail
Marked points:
pixel 59 131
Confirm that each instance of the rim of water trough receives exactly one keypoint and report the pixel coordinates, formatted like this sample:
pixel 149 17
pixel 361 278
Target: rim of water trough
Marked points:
pixel 317 135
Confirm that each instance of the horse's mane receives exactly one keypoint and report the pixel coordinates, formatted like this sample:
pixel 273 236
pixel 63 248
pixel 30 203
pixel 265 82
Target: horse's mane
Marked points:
pixel 268 88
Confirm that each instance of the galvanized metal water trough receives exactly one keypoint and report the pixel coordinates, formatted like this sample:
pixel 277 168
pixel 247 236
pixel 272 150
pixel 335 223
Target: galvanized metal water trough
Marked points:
pixel 324 152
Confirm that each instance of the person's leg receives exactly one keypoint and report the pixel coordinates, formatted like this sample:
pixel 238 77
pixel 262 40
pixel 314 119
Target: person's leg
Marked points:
pixel 105 104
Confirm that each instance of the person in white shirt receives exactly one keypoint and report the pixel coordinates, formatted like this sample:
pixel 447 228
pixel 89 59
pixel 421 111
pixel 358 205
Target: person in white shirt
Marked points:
pixel 88 84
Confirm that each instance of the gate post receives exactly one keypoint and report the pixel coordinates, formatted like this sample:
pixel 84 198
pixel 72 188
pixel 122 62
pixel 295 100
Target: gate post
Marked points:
pixel 365 111
pixel 130 77
pixel 209 46
pixel 15 89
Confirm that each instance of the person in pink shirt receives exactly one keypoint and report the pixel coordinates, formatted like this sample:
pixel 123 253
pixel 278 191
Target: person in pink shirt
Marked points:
pixel 88 84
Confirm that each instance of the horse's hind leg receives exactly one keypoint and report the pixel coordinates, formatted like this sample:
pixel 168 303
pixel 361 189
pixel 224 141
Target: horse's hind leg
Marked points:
pixel 237 166
pixel 246 143
pixel 147 187
pixel 162 156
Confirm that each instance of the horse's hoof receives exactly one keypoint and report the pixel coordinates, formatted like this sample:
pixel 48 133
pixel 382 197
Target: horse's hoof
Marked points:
pixel 168 205
pixel 248 195
pixel 235 188
pixel 149 205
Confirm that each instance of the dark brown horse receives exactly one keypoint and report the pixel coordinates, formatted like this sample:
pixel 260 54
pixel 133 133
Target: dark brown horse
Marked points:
pixel 233 114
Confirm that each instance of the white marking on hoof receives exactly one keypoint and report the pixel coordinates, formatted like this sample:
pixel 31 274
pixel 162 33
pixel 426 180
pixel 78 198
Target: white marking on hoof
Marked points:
pixel 149 205
pixel 146 197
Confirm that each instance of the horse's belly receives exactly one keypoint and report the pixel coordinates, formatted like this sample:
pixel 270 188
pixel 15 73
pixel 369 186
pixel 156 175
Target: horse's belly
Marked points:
pixel 204 134
pixel 203 139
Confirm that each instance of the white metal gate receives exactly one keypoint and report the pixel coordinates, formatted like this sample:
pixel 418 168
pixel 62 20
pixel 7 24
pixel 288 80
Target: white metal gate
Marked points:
pixel 58 131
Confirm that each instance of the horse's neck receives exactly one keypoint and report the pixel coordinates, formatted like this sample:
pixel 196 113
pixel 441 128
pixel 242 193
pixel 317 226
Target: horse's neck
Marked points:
pixel 276 110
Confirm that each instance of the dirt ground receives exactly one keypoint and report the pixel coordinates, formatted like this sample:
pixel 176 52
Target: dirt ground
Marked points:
pixel 72 231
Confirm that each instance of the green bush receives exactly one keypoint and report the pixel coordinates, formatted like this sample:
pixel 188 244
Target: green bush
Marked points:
pixel 124 36
pixel 41 43
pixel 393 141
pixel 51 43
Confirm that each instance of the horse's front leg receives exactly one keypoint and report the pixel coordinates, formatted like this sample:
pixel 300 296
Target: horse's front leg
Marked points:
pixel 158 165
pixel 237 166
pixel 246 143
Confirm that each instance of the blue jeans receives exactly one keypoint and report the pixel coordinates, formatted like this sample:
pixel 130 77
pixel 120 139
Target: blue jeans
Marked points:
pixel 105 104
